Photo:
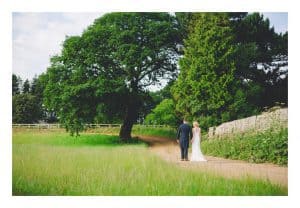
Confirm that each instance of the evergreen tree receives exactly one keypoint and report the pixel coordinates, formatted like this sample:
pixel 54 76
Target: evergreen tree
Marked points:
pixel 206 87
pixel 26 86
pixel 25 108
pixel 261 60
pixel 16 83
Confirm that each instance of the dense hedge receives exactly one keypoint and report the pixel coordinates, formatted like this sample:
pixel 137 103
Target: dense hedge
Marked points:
pixel 269 146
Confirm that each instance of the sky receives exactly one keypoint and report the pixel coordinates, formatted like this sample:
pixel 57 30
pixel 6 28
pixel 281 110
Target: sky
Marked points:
pixel 38 36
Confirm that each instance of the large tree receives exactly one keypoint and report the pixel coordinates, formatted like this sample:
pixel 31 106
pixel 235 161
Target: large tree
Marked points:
pixel 261 60
pixel 106 70
pixel 260 66
pixel 206 87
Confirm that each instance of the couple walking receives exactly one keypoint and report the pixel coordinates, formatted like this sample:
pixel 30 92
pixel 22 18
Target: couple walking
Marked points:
pixel 184 134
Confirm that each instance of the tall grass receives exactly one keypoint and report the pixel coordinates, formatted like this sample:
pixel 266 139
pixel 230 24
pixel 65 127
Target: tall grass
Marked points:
pixel 57 164
pixel 268 146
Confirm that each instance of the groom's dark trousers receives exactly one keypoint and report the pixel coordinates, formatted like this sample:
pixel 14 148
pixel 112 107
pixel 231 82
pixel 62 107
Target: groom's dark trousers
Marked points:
pixel 184 134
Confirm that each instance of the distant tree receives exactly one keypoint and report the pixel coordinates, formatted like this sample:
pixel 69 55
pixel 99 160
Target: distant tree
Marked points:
pixel 38 85
pixel 163 114
pixel 16 83
pixel 107 69
pixel 33 85
pixel 26 86
pixel 35 88
pixel 25 108
pixel 164 93
pixel 154 98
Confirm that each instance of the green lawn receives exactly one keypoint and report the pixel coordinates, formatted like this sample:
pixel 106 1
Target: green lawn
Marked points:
pixel 167 132
pixel 54 163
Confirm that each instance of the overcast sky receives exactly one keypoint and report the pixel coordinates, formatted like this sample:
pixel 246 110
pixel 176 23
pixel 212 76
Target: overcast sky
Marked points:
pixel 38 36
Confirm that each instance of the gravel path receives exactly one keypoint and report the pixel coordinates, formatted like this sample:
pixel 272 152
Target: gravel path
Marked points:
pixel 169 150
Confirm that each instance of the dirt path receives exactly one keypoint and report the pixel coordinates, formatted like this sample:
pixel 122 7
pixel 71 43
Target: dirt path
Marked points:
pixel 169 150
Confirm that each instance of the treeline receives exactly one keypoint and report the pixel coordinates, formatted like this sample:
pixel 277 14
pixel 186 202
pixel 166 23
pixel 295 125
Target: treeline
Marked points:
pixel 220 67
pixel 234 65
pixel 27 101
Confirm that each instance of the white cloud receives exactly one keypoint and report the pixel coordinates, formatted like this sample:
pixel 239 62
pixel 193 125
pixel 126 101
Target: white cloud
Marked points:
pixel 38 36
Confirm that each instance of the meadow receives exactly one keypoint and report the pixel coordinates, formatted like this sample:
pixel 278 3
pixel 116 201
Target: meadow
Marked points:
pixel 54 163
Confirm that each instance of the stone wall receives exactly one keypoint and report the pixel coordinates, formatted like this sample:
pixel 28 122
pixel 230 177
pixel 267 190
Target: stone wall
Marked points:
pixel 276 118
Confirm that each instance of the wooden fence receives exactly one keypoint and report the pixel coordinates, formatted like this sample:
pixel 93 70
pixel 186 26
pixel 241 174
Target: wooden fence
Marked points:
pixel 58 126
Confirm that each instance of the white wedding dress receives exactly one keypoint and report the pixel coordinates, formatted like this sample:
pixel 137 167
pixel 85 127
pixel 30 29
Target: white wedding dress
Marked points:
pixel 196 151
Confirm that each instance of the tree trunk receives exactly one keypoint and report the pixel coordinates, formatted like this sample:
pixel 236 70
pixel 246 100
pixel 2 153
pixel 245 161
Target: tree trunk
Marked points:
pixel 125 132
pixel 129 119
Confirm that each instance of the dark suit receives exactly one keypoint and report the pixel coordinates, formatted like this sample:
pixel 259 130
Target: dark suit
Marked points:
pixel 184 133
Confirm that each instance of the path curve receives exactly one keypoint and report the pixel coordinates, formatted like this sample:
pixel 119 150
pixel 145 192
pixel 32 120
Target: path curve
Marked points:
pixel 169 150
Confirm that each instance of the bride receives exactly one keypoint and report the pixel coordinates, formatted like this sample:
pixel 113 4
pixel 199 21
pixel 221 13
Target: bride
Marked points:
pixel 196 151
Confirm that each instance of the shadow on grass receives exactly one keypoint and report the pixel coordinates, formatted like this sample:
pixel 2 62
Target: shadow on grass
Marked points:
pixel 96 140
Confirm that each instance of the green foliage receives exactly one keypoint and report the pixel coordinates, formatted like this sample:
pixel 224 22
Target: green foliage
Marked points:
pixel 25 108
pixel 231 68
pixel 240 107
pixel 38 85
pixel 120 170
pixel 26 86
pixel 163 114
pixel 153 99
pixel 32 94
pixel 262 59
pixel 164 93
pixel 16 83
pixel 205 86
pixel 270 146
pixel 185 21
pixel 104 72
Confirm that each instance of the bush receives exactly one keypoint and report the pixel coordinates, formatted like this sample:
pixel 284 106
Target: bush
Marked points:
pixel 163 114
pixel 269 146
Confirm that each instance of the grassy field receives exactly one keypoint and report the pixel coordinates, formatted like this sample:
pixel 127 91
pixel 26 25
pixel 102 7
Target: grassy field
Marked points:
pixel 269 146
pixel 167 132
pixel 53 163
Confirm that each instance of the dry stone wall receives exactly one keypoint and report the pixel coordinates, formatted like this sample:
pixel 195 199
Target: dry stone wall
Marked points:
pixel 267 120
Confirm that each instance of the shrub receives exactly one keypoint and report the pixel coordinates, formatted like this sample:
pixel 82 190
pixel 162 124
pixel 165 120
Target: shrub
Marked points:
pixel 269 146
pixel 163 114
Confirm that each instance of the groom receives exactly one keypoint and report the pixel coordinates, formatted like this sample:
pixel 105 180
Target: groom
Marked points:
pixel 184 133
